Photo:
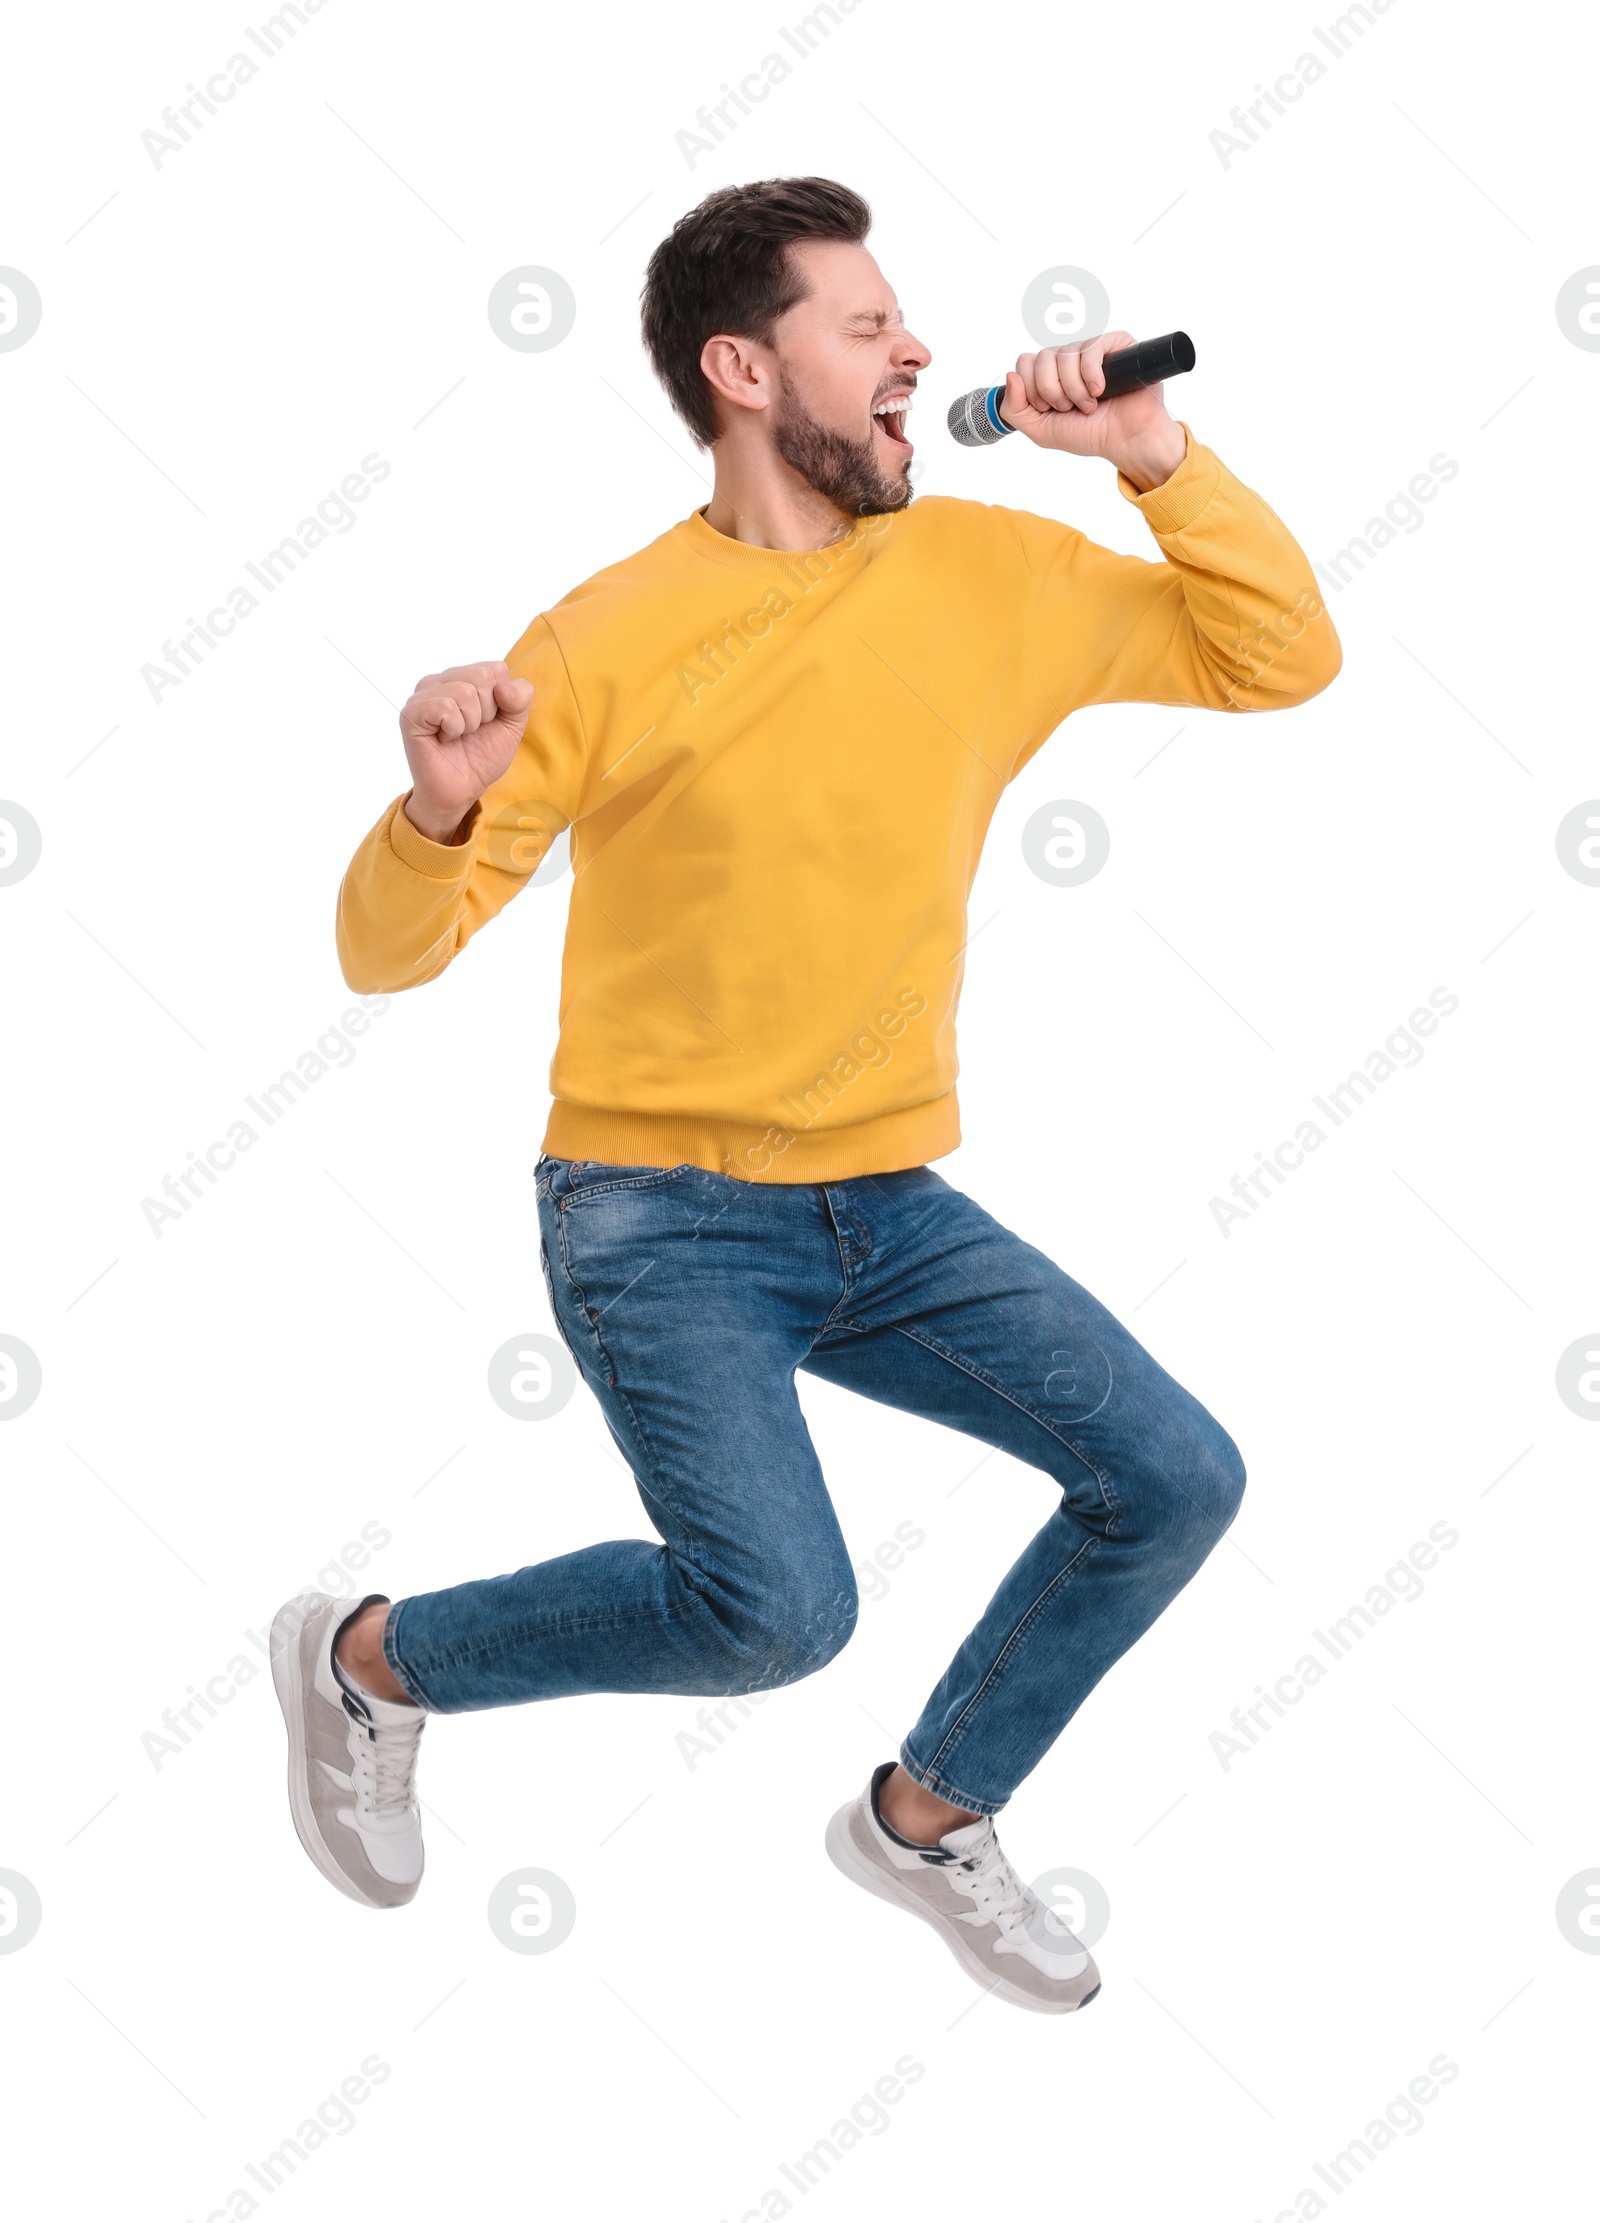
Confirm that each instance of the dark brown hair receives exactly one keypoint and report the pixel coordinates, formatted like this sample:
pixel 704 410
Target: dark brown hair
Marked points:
pixel 725 267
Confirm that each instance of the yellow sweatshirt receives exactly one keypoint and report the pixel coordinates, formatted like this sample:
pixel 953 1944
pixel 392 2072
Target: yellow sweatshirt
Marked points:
pixel 779 770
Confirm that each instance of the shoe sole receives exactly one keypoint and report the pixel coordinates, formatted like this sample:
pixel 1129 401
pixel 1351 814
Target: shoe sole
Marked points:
pixel 288 1680
pixel 842 1852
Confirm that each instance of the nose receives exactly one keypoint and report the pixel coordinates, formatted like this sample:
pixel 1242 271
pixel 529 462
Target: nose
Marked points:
pixel 910 354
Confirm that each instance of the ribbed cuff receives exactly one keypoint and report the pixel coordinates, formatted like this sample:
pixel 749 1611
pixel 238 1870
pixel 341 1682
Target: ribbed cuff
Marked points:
pixel 435 860
pixel 1178 500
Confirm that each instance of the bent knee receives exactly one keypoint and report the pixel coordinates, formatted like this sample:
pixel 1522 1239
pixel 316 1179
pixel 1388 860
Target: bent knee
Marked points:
pixel 796 1638
pixel 1211 1477
pixel 799 1643
pixel 1193 1486
pixel 1221 1472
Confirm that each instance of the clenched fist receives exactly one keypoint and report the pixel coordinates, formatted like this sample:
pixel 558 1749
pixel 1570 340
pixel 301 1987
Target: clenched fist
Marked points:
pixel 1054 399
pixel 461 729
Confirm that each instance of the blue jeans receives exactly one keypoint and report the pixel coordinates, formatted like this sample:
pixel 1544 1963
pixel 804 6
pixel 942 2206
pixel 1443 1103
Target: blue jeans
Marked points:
pixel 688 1299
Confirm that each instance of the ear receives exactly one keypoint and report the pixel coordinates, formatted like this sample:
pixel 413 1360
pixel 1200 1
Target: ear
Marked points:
pixel 737 371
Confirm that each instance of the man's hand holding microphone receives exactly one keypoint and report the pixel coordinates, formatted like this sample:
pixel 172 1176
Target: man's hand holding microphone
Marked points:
pixel 461 728
pixel 1053 399
pixel 1101 397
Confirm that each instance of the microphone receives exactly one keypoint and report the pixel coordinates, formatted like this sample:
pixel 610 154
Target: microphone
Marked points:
pixel 975 419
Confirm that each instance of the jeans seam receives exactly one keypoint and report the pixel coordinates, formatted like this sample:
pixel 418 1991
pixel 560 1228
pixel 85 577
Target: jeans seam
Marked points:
pixel 581 1294
pixel 652 1465
pixel 942 1787
pixel 405 1676
pixel 473 1655
pixel 847 1282
pixel 555 1309
pixel 454 1662
pixel 1108 1495
pixel 958 1728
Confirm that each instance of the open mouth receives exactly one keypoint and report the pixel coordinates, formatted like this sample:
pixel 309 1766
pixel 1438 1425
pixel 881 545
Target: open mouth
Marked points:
pixel 890 415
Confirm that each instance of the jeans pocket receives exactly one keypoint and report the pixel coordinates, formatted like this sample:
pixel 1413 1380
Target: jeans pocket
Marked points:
pixel 587 1179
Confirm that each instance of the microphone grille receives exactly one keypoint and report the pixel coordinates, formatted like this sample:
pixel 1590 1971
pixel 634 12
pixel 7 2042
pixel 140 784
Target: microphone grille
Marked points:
pixel 970 422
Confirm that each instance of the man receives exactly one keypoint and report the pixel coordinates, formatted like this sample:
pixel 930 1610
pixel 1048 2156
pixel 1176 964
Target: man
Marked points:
pixel 778 734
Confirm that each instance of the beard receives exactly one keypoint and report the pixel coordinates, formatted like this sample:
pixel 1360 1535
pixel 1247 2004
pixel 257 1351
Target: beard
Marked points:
pixel 844 471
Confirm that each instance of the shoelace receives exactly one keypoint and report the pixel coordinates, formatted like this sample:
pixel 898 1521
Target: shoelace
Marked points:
pixel 382 1772
pixel 998 1893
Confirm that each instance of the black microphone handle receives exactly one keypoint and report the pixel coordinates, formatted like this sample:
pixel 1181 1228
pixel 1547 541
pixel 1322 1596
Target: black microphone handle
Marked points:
pixel 975 420
pixel 1147 364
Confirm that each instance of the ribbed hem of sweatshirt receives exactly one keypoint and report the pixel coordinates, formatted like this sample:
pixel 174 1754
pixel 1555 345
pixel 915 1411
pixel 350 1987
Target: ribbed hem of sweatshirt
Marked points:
pixel 1175 504
pixel 770 1154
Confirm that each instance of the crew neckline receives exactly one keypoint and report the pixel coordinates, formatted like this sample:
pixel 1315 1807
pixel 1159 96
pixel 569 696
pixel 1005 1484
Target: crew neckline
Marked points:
pixel 742 555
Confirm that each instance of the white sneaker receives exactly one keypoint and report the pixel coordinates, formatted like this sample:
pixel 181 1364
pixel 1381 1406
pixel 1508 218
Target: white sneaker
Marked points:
pixel 352 1758
pixel 1003 1935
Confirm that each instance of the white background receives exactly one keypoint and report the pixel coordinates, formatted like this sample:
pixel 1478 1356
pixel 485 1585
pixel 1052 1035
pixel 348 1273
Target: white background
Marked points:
pixel 1292 1939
